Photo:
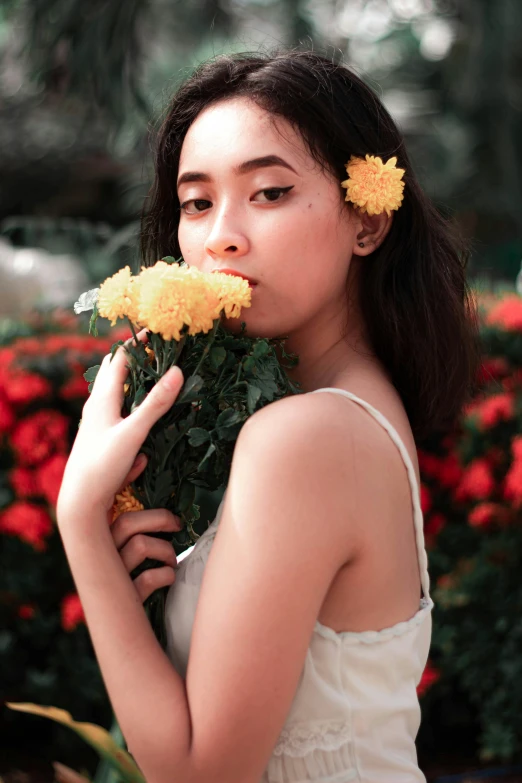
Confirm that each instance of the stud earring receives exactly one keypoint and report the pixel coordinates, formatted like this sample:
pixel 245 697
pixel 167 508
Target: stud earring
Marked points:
pixel 361 244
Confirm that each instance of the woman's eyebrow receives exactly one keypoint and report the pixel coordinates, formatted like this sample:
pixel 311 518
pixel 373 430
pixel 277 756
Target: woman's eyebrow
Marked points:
pixel 242 168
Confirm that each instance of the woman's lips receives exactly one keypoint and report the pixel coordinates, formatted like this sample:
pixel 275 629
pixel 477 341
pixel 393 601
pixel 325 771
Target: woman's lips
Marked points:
pixel 233 273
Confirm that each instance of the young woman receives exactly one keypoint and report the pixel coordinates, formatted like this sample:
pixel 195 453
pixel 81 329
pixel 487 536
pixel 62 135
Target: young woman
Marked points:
pixel 300 623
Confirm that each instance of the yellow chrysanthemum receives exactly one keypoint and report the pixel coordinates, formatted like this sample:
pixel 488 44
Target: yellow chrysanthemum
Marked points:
pixel 374 186
pixel 233 292
pixel 125 501
pixel 171 297
pixel 132 301
pixel 113 299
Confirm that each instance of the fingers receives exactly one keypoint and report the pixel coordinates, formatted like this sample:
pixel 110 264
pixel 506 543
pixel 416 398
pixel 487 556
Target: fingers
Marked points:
pixel 142 546
pixel 113 374
pixel 141 335
pixel 152 579
pixel 147 521
pixel 156 404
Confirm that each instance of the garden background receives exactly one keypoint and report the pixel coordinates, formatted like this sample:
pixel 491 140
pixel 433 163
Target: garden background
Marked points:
pixel 81 87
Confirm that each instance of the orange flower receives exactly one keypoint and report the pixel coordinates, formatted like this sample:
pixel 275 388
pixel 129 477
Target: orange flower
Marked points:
pixel 124 502
pixel 374 186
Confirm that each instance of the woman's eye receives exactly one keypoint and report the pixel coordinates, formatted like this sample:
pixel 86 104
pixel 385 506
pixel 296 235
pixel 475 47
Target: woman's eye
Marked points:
pixel 272 195
pixel 194 201
pixel 276 191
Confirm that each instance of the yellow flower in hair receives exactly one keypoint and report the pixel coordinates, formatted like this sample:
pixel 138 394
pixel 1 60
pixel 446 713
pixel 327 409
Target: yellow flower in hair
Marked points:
pixel 374 186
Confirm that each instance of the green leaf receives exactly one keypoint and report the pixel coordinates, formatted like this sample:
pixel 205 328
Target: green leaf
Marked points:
pixel 249 364
pixel 197 436
pixel 191 387
pixel 91 373
pixel 228 423
pixel 90 376
pixel 93 329
pixel 138 398
pixel 163 486
pixel 115 347
pixel 211 449
pixel 253 397
pixel 217 356
pixel 185 497
pixel 260 349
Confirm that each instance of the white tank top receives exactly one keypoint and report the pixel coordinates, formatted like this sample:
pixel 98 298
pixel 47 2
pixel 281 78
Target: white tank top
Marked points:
pixel 355 714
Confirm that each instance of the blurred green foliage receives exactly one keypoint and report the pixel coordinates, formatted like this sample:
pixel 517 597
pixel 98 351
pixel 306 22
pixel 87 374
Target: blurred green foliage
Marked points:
pixel 81 84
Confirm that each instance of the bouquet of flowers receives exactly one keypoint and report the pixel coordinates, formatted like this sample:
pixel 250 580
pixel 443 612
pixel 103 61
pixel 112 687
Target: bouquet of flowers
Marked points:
pixel 227 378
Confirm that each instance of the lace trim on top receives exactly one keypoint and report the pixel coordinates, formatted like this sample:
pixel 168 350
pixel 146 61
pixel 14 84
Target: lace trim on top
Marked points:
pixel 370 637
pixel 299 739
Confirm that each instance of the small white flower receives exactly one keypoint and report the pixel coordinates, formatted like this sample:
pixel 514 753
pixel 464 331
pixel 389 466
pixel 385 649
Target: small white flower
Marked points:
pixel 86 301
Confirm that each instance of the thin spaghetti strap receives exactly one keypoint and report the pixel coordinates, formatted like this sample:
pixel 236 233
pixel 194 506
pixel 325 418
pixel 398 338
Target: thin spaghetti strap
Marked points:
pixel 417 510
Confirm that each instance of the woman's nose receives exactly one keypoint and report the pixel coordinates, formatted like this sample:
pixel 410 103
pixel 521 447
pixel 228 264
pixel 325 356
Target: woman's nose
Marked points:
pixel 224 240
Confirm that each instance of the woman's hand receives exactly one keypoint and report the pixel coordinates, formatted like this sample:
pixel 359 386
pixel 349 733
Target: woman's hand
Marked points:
pixel 128 532
pixel 106 445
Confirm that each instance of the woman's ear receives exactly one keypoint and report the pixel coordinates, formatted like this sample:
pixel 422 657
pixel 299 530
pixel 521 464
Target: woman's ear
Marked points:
pixel 372 233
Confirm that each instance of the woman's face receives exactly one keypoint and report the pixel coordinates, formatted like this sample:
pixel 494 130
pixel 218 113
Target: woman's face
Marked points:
pixel 281 225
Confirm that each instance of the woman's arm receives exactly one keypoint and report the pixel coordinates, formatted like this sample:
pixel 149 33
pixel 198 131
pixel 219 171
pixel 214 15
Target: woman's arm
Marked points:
pixel 147 694
pixel 284 532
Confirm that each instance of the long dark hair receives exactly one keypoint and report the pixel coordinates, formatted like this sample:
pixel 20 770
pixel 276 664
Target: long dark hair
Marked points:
pixel 420 316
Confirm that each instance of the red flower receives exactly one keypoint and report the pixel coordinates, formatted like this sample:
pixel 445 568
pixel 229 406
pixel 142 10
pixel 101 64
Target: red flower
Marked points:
pixel 507 313
pixel 493 368
pixel 499 407
pixel 428 464
pixel 28 522
pixel 71 612
pixel 76 387
pixel 486 514
pixel 24 483
pixel 512 485
pixel 450 471
pixel 22 388
pixel 40 435
pixel 477 481
pixel 425 498
pixel 7 417
pixel 516 446
pixel 432 528
pixel 26 611
pixel 49 477
pixel 429 676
